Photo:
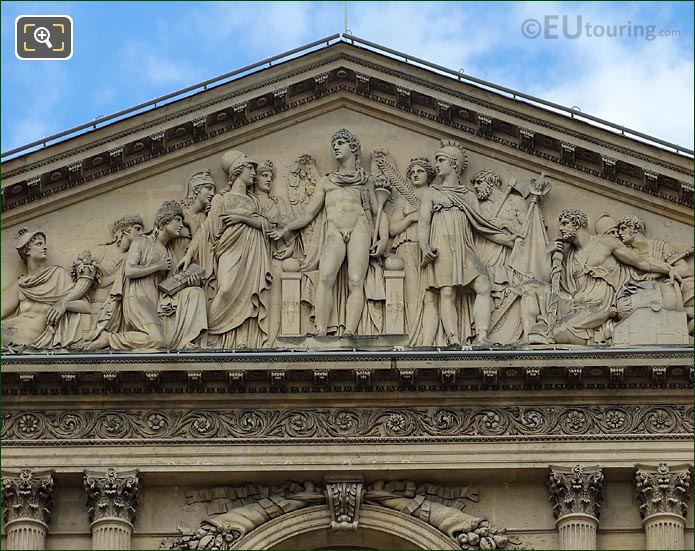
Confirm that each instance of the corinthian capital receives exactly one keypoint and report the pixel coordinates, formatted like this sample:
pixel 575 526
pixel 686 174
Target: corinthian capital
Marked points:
pixel 576 490
pixel 663 489
pixel 112 494
pixel 27 494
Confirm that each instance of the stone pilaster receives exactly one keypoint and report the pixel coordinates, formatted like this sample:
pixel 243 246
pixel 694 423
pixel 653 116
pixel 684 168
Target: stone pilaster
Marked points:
pixel 112 499
pixel 576 494
pixel 663 493
pixel 27 499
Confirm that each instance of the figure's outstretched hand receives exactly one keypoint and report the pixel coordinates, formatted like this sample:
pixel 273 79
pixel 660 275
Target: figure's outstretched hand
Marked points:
pixel 674 276
pixel 379 248
pixel 183 264
pixel 278 233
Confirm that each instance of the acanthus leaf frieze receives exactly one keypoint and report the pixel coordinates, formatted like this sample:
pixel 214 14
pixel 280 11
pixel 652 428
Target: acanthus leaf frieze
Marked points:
pixel 568 423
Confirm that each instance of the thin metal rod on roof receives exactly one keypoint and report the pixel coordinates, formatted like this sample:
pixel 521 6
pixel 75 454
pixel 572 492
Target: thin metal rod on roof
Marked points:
pixel 516 94
pixel 160 99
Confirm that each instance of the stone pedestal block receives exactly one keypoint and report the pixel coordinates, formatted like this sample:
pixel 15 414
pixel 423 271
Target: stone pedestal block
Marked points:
pixel 577 531
pixel 290 324
pixel 394 323
pixel 664 531
pixel 111 533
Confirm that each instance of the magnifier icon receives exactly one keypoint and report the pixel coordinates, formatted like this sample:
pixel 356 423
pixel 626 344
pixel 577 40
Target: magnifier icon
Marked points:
pixel 43 36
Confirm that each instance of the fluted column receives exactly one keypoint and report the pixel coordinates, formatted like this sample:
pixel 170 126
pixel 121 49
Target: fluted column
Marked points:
pixel 576 494
pixel 27 499
pixel 663 493
pixel 112 499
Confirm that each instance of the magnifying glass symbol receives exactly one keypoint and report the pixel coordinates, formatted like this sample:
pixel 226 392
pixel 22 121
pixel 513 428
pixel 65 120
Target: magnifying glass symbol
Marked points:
pixel 43 36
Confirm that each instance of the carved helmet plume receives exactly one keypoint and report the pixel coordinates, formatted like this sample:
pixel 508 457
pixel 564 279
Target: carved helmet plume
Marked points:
pixel 24 237
pixel 233 162
pixel 455 152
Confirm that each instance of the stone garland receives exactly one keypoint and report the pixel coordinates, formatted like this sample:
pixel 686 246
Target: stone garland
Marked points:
pixel 565 422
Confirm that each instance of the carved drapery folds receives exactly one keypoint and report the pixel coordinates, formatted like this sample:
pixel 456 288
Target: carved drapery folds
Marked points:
pixel 27 500
pixel 112 494
pixel 251 506
pixel 396 275
pixel 576 490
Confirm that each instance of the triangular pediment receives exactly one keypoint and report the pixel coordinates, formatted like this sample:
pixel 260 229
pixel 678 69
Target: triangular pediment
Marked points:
pixel 76 189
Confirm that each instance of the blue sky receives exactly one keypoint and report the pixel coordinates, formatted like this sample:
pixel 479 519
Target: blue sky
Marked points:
pixel 129 52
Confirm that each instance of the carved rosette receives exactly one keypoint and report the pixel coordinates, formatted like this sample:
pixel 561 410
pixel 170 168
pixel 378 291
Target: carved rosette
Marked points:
pixel 344 500
pixel 27 494
pixel 112 495
pixel 576 490
pixel 663 489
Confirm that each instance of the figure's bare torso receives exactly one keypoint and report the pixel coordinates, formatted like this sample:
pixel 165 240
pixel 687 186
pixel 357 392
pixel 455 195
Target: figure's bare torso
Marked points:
pixel 345 211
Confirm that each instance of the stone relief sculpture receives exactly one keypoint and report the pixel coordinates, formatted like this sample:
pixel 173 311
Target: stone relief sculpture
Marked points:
pixel 353 230
pixel 449 219
pixel 110 256
pixel 573 305
pixel 153 319
pixel 232 245
pixel 46 307
pixel 430 256
pixel 631 231
pixel 251 506
pixel 404 218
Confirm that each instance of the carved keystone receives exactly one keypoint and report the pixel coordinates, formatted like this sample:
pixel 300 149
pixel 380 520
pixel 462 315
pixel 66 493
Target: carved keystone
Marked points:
pixel 344 500
pixel 576 490
pixel 112 494
pixel 663 489
pixel 27 494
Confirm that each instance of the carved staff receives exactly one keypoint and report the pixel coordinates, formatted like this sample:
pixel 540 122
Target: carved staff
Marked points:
pixel 554 299
pixel 382 193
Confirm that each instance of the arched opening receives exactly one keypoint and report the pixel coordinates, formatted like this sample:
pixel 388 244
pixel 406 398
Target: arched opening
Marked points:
pixel 379 528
